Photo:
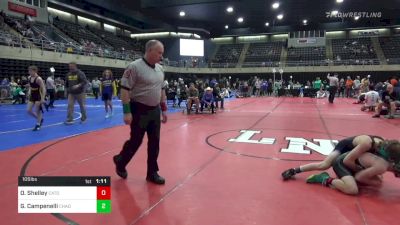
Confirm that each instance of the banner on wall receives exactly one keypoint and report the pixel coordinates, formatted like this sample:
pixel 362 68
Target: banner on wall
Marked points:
pixel 306 41
pixel 368 33
pixel 22 9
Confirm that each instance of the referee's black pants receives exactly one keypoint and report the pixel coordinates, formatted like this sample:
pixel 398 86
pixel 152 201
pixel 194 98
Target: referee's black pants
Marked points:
pixel 332 93
pixel 52 96
pixel 144 119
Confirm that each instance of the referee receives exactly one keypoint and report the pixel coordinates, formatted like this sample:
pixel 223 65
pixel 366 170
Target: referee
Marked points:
pixel 143 95
pixel 333 86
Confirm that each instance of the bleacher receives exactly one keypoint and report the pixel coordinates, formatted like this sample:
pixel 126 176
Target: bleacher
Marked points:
pixel 79 33
pixel 306 56
pixel 356 50
pixel 18 68
pixel 112 39
pixel 263 54
pixel 391 49
pixel 228 55
pixel 52 34
pixel 137 46
pixel 7 38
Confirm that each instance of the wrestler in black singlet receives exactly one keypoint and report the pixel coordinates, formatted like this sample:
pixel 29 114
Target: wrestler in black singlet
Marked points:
pixel 35 90
pixel 346 145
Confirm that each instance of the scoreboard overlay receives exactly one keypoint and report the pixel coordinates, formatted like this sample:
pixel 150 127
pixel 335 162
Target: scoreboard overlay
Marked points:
pixel 46 194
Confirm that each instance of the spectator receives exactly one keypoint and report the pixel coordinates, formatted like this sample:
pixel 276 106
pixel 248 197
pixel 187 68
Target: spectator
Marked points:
pixel 217 96
pixel 389 100
pixel 96 87
pixel 208 100
pixel 349 86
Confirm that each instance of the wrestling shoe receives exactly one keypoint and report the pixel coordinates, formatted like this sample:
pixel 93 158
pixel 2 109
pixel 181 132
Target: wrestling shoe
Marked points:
pixel 287 174
pixel 318 178
pixel 69 122
pixel 36 128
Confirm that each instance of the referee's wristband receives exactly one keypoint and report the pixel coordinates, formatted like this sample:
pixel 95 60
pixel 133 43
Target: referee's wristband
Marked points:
pixel 126 108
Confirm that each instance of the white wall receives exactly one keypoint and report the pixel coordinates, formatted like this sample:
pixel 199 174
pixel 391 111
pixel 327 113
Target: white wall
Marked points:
pixel 252 39
pixel 91 23
pixel 335 34
pixel 381 32
pixel 110 28
pixel 279 37
pixel 223 40
pixel 42 15
pixel 317 42
pixel 62 15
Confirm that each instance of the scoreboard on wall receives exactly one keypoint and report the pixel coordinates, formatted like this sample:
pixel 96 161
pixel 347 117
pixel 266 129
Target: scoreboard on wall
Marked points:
pixel 64 194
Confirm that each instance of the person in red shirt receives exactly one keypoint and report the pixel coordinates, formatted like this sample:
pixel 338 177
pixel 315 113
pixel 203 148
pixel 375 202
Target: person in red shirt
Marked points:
pixel 394 81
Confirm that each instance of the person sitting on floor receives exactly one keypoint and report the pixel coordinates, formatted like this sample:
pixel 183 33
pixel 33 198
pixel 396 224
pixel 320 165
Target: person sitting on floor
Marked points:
pixel 321 93
pixel 208 100
pixel 371 99
pixel 18 95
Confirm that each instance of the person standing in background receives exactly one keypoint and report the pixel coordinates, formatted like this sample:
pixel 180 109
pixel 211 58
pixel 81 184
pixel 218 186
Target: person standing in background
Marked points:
pixel 349 85
pixel 356 86
pixel 333 86
pixel 95 87
pixel 107 89
pixel 341 87
pixel 75 83
pixel 50 87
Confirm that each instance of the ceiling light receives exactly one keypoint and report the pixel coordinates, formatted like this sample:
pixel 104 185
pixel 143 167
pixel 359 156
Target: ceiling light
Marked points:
pixel 357 17
pixel 229 9
pixel 240 19
pixel 182 13
pixel 280 16
pixel 305 21
pixel 275 5
pixel 339 1
pixel 267 24
pixel 226 26
pixel 334 12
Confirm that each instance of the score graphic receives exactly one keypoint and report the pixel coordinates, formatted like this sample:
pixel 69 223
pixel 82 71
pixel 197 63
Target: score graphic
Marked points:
pixel 64 195
pixel 103 199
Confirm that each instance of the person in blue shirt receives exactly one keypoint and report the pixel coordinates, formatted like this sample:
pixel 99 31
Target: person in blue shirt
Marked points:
pixel 208 100
pixel 264 87
pixel 213 82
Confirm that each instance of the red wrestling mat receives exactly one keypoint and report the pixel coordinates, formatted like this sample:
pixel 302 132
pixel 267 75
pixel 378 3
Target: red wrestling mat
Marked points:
pixel 220 169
